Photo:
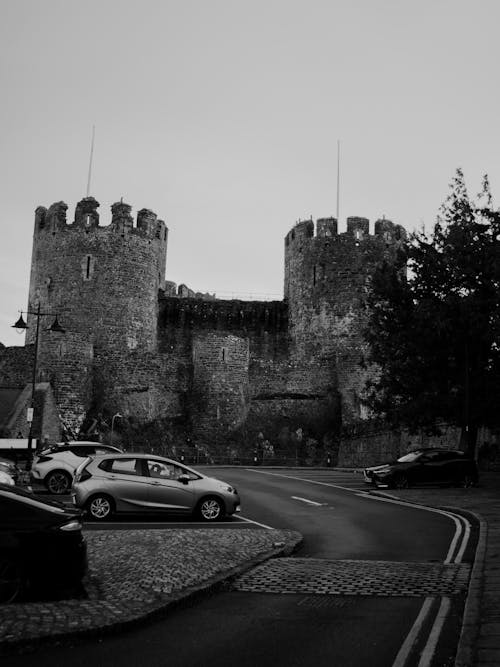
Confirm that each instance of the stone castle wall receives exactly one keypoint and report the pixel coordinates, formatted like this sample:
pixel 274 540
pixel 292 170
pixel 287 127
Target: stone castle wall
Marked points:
pixel 215 372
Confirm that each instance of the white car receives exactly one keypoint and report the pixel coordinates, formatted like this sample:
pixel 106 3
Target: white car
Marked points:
pixel 5 478
pixel 55 466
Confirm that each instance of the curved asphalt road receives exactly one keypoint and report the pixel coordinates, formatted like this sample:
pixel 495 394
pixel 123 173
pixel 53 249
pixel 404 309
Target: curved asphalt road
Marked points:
pixel 281 615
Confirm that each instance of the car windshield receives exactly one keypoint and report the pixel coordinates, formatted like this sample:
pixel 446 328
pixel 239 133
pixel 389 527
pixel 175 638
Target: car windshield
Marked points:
pixel 408 458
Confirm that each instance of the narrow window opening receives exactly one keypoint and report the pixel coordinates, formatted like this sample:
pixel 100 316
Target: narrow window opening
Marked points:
pixel 88 267
pixel 223 354
pixel 314 275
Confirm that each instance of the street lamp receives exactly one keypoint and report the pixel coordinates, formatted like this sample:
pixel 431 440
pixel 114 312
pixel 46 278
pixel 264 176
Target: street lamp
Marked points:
pixel 113 424
pixel 21 325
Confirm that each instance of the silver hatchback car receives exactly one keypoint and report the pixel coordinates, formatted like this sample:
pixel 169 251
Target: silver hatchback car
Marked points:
pixel 146 483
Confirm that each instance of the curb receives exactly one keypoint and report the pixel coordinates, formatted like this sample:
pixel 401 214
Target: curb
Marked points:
pixel 177 600
pixel 471 619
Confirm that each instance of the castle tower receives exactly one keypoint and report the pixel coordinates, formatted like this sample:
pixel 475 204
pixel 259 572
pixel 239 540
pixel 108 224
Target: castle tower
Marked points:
pixel 327 277
pixel 102 281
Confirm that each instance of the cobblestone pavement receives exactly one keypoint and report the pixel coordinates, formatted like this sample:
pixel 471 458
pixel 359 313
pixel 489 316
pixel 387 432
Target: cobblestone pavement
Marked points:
pixel 480 641
pixel 355 577
pixel 136 573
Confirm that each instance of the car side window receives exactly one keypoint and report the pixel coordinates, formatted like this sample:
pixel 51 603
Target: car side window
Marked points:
pixel 125 466
pixel 188 473
pixel 83 450
pixel 163 470
pixel 159 469
pixel 448 456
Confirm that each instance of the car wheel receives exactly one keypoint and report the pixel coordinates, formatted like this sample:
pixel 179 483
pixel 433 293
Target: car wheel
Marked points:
pixel 58 482
pixel 211 509
pixel 401 482
pixel 468 481
pixel 100 507
pixel 11 581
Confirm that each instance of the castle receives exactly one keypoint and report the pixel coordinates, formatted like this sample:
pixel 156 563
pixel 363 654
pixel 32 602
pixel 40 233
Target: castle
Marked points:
pixel 216 373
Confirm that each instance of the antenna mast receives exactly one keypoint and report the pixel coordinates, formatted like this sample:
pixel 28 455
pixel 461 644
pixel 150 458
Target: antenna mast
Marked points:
pixel 338 178
pixel 90 161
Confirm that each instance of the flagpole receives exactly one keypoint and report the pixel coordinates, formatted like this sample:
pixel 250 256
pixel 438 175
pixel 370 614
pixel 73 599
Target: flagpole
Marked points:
pixel 338 178
pixel 90 161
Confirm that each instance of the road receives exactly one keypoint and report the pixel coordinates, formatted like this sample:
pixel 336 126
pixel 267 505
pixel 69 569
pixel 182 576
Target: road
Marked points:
pixel 376 583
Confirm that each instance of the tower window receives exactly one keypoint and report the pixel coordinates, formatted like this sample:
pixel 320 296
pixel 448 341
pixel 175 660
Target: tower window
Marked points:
pixel 314 275
pixel 88 265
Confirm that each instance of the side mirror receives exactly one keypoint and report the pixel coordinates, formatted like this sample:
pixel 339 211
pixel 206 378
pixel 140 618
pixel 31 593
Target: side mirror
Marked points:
pixel 184 479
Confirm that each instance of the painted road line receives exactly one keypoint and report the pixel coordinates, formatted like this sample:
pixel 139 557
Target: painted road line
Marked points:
pixel 412 636
pixel 456 518
pixel 262 525
pixel 460 554
pixel 437 627
pixel 309 502
pixel 301 479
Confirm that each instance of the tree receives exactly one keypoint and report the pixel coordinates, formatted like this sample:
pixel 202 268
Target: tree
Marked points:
pixel 434 331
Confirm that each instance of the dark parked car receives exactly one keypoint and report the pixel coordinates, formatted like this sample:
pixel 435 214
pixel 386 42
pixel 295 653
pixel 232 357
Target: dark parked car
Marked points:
pixel 41 545
pixel 425 466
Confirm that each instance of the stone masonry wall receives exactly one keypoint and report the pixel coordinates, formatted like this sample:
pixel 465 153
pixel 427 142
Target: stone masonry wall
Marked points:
pixel 16 365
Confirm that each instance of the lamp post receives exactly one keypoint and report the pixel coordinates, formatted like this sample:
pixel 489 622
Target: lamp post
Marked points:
pixel 21 325
pixel 113 424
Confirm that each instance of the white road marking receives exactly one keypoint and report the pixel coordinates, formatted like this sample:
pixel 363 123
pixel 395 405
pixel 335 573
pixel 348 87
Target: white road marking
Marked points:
pixel 454 517
pixel 262 525
pixel 465 541
pixel 301 479
pixel 412 637
pixel 309 502
pixel 430 647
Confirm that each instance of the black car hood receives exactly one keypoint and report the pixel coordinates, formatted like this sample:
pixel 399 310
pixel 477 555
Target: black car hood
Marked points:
pixel 54 505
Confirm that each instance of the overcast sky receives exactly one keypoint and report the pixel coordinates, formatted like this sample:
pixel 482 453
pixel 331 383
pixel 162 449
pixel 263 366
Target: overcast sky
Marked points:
pixel 223 117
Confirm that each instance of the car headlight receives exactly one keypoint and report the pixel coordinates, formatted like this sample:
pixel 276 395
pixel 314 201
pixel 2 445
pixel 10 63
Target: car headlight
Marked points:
pixel 384 472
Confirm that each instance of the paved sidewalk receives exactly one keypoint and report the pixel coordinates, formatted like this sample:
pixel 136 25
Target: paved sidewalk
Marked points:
pixel 137 574
pixel 480 641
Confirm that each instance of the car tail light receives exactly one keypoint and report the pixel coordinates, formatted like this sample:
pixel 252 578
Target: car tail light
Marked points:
pixel 71 526
pixel 82 476
pixel 43 459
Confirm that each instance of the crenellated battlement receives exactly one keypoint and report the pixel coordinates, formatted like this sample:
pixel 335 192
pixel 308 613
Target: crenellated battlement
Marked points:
pixel 358 230
pixel 54 220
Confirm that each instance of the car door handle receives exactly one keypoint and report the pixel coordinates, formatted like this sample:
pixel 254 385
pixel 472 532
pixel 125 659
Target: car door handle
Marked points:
pixel 155 483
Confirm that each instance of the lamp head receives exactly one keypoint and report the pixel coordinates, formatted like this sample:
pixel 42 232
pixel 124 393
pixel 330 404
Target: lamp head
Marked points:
pixel 56 327
pixel 20 324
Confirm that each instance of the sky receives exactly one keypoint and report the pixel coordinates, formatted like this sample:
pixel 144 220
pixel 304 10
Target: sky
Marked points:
pixel 224 117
